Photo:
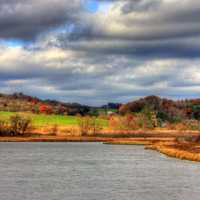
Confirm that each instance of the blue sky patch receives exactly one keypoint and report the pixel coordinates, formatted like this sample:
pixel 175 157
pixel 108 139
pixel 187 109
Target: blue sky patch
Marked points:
pixel 92 5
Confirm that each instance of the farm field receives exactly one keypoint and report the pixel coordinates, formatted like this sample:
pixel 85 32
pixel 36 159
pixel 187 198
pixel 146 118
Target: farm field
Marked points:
pixel 46 120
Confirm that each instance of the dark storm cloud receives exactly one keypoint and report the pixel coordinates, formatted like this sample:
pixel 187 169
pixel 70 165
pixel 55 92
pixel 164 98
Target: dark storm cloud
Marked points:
pixel 153 49
pixel 147 28
pixel 140 5
pixel 25 19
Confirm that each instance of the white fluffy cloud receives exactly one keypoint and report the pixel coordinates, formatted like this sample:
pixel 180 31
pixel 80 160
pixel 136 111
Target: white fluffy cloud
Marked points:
pixel 73 76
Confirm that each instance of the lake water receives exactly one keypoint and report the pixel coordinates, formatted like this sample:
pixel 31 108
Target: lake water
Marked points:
pixel 93 171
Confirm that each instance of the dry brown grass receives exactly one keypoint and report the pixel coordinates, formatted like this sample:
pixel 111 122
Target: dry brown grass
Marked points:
pixel 184 151
pixel 125 142
pixel 69 130
pixel 178 153
pixel 139 141
pixel 52 139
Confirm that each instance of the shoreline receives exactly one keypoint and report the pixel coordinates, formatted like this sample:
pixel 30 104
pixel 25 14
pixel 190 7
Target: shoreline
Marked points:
pixel 176 152
pixel 166 146
pixel 52 139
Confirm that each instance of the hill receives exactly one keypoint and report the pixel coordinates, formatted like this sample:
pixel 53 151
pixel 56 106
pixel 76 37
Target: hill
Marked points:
pixel 166 109
pixel 18 102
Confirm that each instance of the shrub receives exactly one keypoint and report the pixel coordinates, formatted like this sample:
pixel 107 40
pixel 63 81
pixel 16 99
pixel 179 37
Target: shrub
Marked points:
pixel 184 125
pixel 192 124
pixel 132 122
pixel 149 118
pixel 89 125
pixel 4 128
pixel 19 125
pixel 54 130
pixel 95 124
pixel 84 125
pixel 129 122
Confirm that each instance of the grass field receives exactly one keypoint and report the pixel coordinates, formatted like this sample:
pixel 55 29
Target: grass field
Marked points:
pixel 45 120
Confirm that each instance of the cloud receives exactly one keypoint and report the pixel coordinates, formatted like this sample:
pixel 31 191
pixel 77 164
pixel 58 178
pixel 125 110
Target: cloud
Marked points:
pixel 140 6
pixel 72 76
pixel 129 49
pixel 25 19
pixel 146 28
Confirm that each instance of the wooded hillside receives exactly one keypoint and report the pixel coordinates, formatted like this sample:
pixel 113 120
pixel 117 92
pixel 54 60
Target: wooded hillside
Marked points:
pixel 18 102
pixel 165 109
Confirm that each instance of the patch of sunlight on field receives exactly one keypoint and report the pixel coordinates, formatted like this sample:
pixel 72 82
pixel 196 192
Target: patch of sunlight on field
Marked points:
pixel 5 115
pixel 45 120
pixel 42 120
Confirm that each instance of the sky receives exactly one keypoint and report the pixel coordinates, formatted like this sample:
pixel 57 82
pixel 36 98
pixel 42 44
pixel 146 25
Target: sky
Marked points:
pixel 98 51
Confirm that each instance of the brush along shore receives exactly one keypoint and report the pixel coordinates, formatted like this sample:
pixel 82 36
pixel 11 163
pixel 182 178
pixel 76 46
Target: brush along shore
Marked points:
pixel 181 151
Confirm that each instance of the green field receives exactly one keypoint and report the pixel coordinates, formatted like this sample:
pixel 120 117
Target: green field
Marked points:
pixel 45 120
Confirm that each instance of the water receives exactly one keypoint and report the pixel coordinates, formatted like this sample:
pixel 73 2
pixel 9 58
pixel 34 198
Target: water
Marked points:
pixel 85 171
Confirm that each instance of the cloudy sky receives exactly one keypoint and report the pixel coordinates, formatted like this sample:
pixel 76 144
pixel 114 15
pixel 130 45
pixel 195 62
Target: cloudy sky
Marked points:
pixel 98 51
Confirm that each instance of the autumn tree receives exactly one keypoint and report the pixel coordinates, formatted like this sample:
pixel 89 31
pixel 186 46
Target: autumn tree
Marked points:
pixel 45 109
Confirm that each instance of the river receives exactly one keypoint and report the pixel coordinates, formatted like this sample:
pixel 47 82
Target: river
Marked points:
pixel 93 171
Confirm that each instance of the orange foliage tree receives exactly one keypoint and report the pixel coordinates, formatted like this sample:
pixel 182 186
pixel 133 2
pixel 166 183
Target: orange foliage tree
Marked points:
pixel 45 109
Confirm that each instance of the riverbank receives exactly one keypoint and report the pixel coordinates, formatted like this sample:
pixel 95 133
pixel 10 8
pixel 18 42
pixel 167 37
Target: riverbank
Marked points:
pixel 165 145
pixel 180 151
pixel 53 139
